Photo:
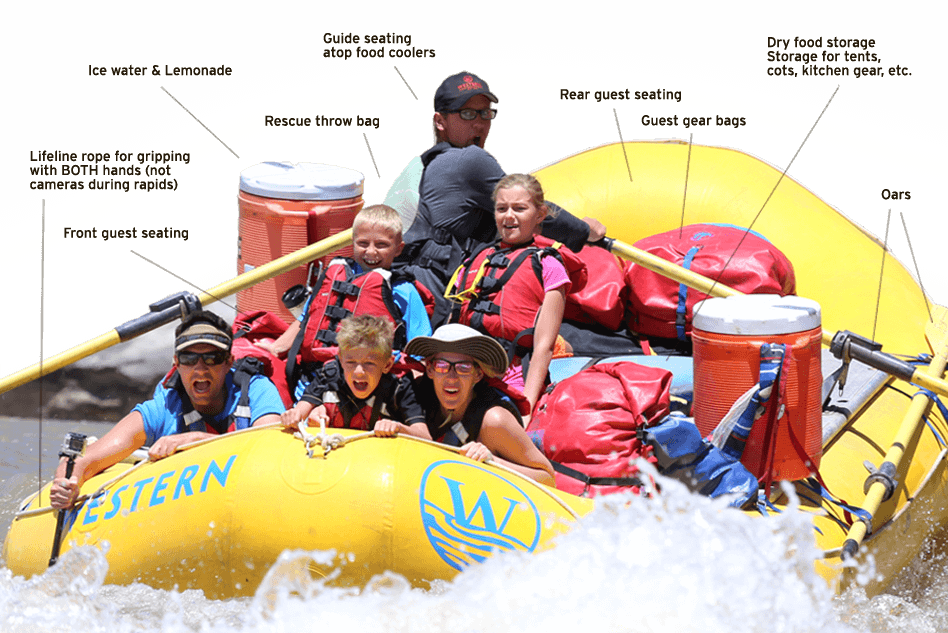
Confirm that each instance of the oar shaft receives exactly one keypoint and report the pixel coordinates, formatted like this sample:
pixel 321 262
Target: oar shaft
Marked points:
pixel 276 267
pixel 682 275
pixel 59 361
pixel 888 363
pixel 152 320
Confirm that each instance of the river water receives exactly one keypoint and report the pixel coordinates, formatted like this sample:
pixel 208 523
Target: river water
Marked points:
pixel 677 564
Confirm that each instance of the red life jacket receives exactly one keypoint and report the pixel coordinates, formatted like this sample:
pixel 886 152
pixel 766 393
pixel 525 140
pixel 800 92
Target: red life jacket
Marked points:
pixel 501 297
pixel 339 293
pixel 345 410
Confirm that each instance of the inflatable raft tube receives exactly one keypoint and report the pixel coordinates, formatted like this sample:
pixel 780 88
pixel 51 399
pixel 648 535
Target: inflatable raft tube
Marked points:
pixel 217 516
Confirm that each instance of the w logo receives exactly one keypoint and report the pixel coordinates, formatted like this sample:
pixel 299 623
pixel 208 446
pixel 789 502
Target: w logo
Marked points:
pixel 469 511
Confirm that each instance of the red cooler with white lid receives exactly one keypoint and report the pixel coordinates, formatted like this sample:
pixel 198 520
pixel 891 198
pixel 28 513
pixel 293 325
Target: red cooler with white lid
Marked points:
pixel 727 336
pixel 283 208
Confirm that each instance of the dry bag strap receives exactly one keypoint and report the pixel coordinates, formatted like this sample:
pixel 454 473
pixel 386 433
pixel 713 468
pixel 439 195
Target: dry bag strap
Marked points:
pixel 681 311
pixel 594 481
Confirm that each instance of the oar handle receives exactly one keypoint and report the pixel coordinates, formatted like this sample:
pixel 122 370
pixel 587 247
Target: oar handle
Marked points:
pixel 849 346
pixel 882 483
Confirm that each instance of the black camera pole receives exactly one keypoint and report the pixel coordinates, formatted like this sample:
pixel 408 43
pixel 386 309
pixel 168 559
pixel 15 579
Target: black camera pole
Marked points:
pixel 72 448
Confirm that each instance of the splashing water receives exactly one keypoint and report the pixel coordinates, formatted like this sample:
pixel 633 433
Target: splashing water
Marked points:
pixel 678 562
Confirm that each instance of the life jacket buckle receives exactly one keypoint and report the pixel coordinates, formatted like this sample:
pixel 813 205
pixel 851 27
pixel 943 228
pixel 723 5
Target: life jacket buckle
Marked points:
pixel 327 337
pixel 344 287
pixel 485 306
pixel 337 313
pixel 498 260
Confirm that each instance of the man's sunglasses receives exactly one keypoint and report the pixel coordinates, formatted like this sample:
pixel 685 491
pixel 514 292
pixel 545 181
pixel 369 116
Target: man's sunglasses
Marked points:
pixel 462 367
pixel 469 114
pixel 210 358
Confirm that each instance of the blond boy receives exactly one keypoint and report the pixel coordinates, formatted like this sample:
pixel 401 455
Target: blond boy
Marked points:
pixel 356 390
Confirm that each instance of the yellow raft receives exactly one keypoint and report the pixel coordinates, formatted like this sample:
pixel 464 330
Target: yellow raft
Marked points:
pixel 215 517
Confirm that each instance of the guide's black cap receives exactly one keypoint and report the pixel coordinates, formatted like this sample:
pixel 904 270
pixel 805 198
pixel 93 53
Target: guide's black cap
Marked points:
pixel 454 91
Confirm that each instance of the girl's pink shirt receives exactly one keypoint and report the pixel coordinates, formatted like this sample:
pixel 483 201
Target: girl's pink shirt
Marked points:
pixel 554 276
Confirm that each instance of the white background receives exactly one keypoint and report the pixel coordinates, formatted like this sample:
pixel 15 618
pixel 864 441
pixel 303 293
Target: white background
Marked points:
pixel 877 133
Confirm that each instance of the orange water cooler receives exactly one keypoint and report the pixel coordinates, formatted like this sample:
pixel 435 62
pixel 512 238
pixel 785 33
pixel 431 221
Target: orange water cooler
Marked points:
pixel 727 336
pixel 284 207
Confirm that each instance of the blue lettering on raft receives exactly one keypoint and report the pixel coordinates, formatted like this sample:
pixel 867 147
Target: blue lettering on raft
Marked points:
pixel 182 487
pixel 138 493
pixel 184 481
pixel 160 485
pixel 219 475
pixel 94 503
pixel 116 503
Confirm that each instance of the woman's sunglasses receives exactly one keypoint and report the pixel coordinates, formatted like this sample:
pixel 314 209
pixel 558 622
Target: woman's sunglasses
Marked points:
pixel 462 367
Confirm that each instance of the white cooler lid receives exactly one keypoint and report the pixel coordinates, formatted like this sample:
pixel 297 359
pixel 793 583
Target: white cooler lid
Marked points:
pixel 753 315
pixel 301 181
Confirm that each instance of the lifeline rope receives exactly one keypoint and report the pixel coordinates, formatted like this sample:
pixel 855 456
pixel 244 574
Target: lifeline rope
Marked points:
pixel 328 442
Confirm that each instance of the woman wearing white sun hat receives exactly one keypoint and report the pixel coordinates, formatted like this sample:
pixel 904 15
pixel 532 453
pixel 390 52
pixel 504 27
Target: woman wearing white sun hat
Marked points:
pixel 470 412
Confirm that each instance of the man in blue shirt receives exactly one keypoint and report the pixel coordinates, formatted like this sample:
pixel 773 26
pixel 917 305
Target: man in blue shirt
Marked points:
pixel 199 400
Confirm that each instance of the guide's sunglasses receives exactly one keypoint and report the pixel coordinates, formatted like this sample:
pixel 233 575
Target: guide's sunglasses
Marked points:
pixel 469 114
pixel 210 358
pixel 462 367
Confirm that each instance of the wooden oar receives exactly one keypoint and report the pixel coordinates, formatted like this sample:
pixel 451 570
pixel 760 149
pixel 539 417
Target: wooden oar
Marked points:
pixel 839 342
pixel 155 319
pixel 885 479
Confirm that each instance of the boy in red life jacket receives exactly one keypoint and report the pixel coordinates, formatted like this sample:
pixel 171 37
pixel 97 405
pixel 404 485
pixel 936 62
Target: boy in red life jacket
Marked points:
pixel 515 290
pixel 376 241
pixel 356 390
